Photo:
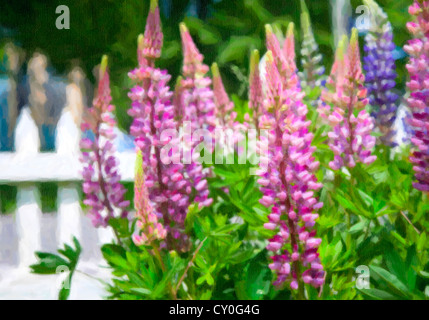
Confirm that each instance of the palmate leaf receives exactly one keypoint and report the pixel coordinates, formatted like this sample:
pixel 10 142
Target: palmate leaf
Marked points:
pixel 66 260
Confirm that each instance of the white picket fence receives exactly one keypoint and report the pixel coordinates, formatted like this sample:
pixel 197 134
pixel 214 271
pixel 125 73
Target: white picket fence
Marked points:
pixel 26 230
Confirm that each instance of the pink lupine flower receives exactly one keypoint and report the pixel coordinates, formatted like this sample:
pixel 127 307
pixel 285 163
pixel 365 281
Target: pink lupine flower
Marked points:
pixel 288 184
pixel 226 117
pixel 198 109
pixel 154 127
pixel 333 93
pixel 350 138
pixel 103 191
pixel 199 99
pixel 418 102
pixel 148 225
pixel 224 106
pixel 153 36
pixel 284 57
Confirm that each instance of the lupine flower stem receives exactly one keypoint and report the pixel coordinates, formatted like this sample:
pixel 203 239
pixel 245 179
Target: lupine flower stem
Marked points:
pixel 154 115
pixel 288 182
pixel 350 138
pixel 104 193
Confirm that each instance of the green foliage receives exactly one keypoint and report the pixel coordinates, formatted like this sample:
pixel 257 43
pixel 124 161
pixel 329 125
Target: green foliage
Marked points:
pixel 65 261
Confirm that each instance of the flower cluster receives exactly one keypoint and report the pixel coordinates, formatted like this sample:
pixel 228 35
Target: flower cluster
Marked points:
pixel 288 182
pixel 197 108
pixel 418 102
pixel 312 74
pixel 103 191
pixel 199 98
pixel 149 227
pixel 381 72
pixel 153 115
pixel 224 107
pixel 350 138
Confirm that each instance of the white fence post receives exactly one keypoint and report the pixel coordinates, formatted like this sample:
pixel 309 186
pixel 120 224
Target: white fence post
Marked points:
pixel 67 145
pixel 28 212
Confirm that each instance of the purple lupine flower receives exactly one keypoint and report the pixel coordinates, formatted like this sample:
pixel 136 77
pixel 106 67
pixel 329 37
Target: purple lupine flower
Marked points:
pixel 418 102
pixel 155 130
pixel 288 182
pixel 104 194
pixel 350 138
pixel 381 73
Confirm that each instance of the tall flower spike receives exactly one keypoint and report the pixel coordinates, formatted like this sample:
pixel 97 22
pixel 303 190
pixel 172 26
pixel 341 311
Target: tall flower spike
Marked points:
pixel 333 92
pixel 148 225
pixel 103 191
pixel 153 115
pixel 199 109
pixel 350 138
pixel 256 98
pixel 224 106
pixel 381 72
pixel 153 36
pixel 273 45
pixel 313 71
pixel 288 184
pixel 193 65
pixel 418 102
pixel 290 76
pixel 289 48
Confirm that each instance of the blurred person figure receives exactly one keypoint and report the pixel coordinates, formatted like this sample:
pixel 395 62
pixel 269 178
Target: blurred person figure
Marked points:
pixel 10 95
pixel 46 99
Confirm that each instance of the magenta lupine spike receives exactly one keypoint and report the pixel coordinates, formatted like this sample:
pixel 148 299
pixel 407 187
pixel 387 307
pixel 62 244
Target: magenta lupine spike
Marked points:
pixel 273 45
pixel 288 184
pixel 153 36
pixel 224 106
pixel 103 191
pixel 153 115
pixel 148 225
pixel 256 98
pixel 418 102
pixel 289 52
pixel 284 57
pixel 200 107
pixel 333 93
pixel 350 138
